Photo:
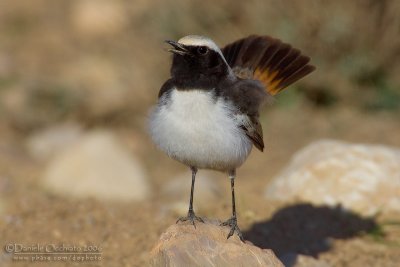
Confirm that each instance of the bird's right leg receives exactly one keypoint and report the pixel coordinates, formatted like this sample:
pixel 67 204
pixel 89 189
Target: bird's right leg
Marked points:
pixel 191 216
pixel 232 222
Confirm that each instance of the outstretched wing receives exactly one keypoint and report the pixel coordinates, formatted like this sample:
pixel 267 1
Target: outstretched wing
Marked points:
pixel 274 63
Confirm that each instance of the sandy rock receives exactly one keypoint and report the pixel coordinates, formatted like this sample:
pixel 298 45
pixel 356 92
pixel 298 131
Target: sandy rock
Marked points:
pixel 46 143
pixel 362 178
pixel 97 166
pixel 98 17
pixel 206 245
pixel 206 191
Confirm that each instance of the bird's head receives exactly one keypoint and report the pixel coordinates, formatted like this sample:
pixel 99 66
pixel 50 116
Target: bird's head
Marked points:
pixel 197 57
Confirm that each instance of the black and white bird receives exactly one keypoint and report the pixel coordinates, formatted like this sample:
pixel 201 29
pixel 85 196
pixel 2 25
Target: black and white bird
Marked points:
pixel 207 115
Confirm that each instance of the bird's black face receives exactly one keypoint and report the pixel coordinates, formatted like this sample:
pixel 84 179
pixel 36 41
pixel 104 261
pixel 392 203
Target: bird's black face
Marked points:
pixel 197 64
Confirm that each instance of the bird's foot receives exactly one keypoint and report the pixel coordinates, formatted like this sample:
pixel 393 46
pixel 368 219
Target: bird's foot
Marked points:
pixel 190 217
pixel 232 223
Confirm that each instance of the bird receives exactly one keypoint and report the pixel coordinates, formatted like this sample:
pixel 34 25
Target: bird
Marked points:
pixel 208 112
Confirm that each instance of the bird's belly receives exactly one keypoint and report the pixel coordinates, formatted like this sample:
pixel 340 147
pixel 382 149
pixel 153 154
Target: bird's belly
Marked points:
pixel 199 130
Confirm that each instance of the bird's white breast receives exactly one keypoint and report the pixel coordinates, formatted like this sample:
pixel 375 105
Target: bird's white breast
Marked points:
pixel 199 130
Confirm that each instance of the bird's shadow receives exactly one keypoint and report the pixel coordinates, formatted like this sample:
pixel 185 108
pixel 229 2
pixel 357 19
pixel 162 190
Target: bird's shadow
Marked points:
pixel 306 229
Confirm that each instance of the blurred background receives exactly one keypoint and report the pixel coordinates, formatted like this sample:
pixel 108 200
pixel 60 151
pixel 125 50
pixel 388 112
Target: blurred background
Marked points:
pixel 78 79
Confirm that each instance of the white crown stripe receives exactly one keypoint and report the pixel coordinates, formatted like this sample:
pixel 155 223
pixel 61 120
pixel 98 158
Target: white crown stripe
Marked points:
pixel 197 40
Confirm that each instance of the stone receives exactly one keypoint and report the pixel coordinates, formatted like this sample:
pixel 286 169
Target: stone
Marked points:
pixel 47 142
pixel 206 245
pixel 359 177
pixel 97 166
pixel 178 190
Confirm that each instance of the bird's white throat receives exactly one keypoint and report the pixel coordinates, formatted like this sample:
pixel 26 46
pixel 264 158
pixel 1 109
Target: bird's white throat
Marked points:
pixel 199 129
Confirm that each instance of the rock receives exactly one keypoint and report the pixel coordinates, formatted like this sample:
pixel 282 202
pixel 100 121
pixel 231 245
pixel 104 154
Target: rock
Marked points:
pixel 206 245
pixel 48 142
pixel 178 190
pixel 98 17
pixel 97 166
pixel 362 178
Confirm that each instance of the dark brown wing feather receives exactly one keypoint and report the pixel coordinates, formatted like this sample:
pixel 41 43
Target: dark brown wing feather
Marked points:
pixel 248 96
pixel 275 64
pixel 255 133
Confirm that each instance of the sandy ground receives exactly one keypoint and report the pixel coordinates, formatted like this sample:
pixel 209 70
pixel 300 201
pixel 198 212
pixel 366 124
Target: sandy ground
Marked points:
pixel 127 232
pixel 100 63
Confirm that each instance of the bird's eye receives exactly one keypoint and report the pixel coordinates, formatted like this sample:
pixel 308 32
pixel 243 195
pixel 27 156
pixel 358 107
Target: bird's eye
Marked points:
pixel 202 50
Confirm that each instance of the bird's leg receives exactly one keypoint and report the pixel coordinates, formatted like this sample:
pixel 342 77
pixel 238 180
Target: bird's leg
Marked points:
pixel 232 222
pixel 191 216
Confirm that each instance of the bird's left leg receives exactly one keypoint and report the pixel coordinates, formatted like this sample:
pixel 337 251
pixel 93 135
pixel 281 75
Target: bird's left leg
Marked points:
pixel 232 222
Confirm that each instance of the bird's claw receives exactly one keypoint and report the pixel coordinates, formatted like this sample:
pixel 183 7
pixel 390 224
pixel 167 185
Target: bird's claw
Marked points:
pixel 232 223
pixel 190 217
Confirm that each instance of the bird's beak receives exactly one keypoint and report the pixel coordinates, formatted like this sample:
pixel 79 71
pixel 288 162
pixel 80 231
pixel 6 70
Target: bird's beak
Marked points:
pixel 177 48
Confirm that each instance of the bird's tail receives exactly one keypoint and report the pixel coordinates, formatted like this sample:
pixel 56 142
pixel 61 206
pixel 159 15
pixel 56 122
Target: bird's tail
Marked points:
pixel 274 63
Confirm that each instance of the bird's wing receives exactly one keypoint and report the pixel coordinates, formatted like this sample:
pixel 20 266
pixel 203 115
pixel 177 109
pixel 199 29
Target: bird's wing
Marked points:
pixel 274 63
pixel 252 127
pixel 247 96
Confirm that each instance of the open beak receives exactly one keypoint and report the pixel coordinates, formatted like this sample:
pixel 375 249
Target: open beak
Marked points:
pixel 177 48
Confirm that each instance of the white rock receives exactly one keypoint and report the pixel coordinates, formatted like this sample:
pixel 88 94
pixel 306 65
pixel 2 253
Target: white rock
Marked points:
pixel 46 143
pixel 205 192
pixel 363 178
pixel 97 166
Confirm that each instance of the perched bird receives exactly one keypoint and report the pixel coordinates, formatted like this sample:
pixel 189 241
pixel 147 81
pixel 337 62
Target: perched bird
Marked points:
pixel 207 115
